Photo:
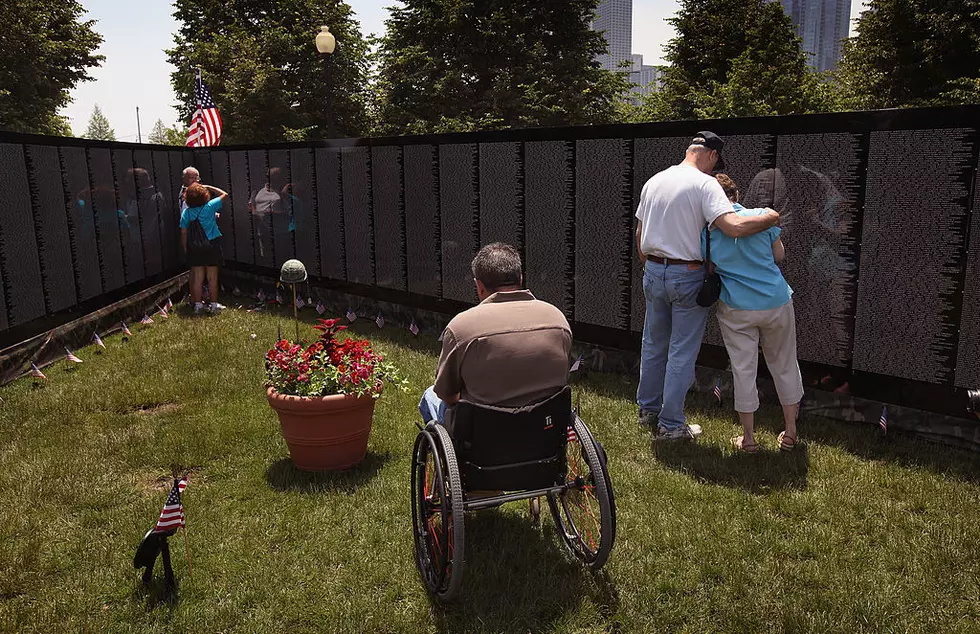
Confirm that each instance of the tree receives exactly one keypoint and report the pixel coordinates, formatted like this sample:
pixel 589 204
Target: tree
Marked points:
pixel 176 136
pixel 159 133
pixel 735 58
pixel 46 49
pixel 98 127
pixel 162 135
pixel 260 62
pixel 913 53
pixel 456 65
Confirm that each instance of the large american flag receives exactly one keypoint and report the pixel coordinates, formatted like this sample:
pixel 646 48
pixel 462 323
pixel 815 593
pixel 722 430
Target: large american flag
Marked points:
pixel 172 515
pixel 206 122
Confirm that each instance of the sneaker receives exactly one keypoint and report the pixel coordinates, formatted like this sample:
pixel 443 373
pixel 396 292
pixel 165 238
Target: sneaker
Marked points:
pixel 682 433
pixel 198 307
pixel 647 419
pixel 215 307
pixel 695 429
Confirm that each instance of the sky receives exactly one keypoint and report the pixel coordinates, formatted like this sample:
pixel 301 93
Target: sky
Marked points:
pixel 136 73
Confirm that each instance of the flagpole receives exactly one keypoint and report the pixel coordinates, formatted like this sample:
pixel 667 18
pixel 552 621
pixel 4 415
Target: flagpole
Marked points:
pixel 139 136
pixel 187 552
pixel 295 312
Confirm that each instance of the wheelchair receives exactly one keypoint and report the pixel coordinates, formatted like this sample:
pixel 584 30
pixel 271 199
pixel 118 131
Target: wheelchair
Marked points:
pixel 544 450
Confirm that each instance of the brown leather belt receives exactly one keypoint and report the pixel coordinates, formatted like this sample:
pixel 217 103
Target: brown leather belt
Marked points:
pixel 660 260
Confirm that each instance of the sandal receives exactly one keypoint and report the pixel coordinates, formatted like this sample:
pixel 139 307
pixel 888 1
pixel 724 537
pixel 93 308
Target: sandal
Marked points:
pixel 786 443
pixel 741 445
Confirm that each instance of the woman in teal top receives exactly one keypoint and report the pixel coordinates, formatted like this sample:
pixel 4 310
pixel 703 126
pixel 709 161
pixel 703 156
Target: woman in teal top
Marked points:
pixel 756 307
pixel 204 259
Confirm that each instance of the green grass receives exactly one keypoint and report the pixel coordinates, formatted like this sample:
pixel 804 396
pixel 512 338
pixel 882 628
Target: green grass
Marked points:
pixel 854 532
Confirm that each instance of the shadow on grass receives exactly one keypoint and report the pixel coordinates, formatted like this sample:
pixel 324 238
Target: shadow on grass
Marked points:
pixel 282 475
pixel 757 473
pixel 157 594
pixel 520 578
pixel 899 447
pixel 366 329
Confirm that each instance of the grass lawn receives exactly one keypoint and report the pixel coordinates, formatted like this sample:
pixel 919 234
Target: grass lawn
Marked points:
pixel 855 532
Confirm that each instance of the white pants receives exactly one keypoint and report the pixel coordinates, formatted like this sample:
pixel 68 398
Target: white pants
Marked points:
pixel 742 331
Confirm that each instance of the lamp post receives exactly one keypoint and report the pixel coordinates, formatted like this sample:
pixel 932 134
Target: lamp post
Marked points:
pixel 325 45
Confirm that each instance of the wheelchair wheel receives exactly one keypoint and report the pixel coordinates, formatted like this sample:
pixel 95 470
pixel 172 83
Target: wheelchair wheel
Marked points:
pixel 584 511
pixel 437 513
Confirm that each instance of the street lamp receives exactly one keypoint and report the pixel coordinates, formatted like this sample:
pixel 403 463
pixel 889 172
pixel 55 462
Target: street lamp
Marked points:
pixel 325 41
pixel 325 45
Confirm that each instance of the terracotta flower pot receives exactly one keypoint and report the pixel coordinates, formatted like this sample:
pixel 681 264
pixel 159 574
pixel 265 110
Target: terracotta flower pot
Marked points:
pixel 324 433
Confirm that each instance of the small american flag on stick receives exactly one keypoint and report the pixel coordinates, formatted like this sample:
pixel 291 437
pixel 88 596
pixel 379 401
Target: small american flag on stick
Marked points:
pixel 163 313
pixel 717 391
pixel 320 308
pixel 883 421
pixel 71 356
pixel 169 304
pixel 146 320
pixel 172 515
pixel 380 320
pixel 299 302
pixel 414 329
pixel 206 123
pixel 351 315
pixel 36 372
pixel 575 366
pixel 125 330
pixel 260 296
pixel 572 436
pixel 98 341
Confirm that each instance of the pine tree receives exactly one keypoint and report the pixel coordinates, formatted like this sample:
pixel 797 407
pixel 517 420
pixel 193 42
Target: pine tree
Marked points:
pixel 159 133
pixel 98 127
pixel 735 58
pixel 913 53
pixel 479 64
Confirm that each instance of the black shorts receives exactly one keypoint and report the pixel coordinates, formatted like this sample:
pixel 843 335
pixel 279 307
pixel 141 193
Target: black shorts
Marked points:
pixel 210 256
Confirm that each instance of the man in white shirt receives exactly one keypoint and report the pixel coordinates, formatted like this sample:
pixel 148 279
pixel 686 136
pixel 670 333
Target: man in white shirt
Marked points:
pixel 675 206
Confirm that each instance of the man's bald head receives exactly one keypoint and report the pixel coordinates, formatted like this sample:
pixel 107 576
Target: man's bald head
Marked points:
pixel 191 176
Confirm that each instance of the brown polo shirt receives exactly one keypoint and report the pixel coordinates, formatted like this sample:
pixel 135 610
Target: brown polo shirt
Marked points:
pixel 510 350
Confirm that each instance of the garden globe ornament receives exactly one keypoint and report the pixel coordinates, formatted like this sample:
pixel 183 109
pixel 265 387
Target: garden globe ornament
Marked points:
pixel 293 272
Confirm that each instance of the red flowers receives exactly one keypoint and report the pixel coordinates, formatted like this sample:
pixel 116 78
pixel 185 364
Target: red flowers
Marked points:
pixel 328 366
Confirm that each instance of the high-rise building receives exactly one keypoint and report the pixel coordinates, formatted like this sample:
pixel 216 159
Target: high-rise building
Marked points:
pixel 614 18
pixel 647 79
pixel 823 25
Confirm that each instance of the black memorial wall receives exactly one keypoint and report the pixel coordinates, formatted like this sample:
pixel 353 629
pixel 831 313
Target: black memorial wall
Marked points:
pixel 878 210
pixel 82 224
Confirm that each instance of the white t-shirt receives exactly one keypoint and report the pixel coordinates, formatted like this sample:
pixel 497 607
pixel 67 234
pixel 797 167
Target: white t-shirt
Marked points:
pixel 674 206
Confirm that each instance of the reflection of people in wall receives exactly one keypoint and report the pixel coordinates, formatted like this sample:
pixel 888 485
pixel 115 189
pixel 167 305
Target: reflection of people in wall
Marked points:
pixel 140 200
pixel 768 189
pixel 296 196
pixel 268 212
pixel 93 204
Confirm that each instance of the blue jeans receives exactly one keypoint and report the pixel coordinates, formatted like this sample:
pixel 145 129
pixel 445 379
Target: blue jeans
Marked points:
pixel 432 408
pixel 672 333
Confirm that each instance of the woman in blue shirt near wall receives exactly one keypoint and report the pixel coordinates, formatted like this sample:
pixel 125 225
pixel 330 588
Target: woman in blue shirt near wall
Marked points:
pixel 204 260
pixel 757 307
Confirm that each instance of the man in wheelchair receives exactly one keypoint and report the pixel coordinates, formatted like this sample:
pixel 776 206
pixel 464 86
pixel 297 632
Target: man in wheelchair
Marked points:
pixel 500 428
pixel 510 350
